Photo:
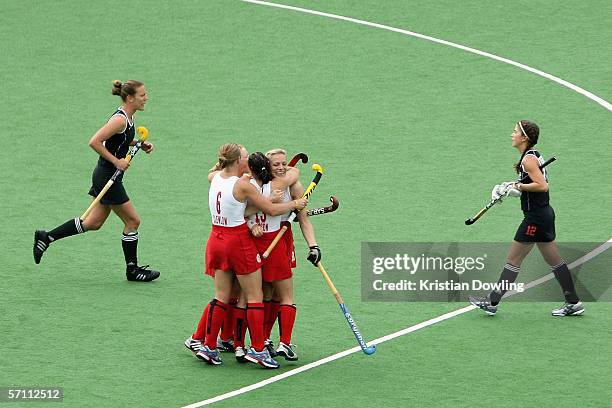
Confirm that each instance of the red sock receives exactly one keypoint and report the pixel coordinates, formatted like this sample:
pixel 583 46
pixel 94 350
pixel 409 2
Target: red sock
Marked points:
pixel 286 318
pixel 227 330
pixel 200 332
pixel 216 316
pixel 240 326
pixel 255 321
pixel 270 316
pixel 267 305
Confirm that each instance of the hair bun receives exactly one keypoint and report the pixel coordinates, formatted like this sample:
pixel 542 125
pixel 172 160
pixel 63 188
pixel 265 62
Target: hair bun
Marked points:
pixel 117 83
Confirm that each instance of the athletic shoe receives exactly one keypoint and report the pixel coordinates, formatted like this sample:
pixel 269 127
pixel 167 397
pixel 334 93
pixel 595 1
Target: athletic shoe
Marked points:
pixel 270 346
pixel 212 357
pixel 141 274
pixel 225 345
pixel 240 353
pixel 286 350
pixel 569 309
pixel 193 345
pixel 261 357
pixel 484 303
pixel 41 244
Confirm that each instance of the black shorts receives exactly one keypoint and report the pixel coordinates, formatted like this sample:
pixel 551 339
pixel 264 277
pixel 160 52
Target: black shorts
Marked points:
pixel 116 195
pixel 537 226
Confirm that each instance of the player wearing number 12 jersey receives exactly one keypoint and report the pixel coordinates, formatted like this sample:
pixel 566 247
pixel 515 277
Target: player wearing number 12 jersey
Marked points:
pixel 538 226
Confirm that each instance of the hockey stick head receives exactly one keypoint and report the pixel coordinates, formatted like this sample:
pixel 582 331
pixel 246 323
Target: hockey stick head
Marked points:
pixel 335 203
pixel 303 157
pixel 143 133
pixel 315 181
pixel 470 221
pixel 324 210
pixel 370 350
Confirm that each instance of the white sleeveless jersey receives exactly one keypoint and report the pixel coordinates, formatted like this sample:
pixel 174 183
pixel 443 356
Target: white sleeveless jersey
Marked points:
pixel 225 210
pixel 269 223
pixel 286 199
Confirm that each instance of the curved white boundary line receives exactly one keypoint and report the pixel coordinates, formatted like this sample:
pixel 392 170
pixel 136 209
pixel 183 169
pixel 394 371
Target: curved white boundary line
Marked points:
pixel 603 247
pixel 543 74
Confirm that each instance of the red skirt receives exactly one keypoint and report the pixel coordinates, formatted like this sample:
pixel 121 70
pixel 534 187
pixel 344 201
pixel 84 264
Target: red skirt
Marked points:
pixel 277 266
pixel 231 249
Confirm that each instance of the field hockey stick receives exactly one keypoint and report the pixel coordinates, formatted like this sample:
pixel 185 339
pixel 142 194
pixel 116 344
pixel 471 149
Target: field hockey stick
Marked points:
pixel 144 135
pixel 300 156
pixel 491 203
pixel 323 210
pixel 369 350
pixel 307 193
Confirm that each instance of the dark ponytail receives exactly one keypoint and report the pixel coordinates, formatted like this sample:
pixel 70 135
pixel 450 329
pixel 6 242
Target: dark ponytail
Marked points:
pixel 532 132
pixel 123 89
pixel 260 167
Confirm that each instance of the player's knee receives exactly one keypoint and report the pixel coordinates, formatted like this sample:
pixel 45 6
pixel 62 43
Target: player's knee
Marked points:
pixel 133 223
pixel 286 299
pixel 222 298
pixel 254 296
pixel 92 225
pixel 554 260
pixel 514 261
pixel 222 295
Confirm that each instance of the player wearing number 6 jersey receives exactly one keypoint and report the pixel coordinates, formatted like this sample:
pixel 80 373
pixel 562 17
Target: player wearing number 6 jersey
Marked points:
pixel 538 226
pixel 230 251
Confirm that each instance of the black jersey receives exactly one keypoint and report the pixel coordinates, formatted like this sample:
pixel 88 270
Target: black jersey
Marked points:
pixel 531 201
pixel 119 143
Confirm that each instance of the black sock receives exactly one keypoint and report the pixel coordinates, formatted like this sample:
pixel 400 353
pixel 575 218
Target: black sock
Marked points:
pixel 129 242
pixel 564 277
pixel 67 229
pixel 508 275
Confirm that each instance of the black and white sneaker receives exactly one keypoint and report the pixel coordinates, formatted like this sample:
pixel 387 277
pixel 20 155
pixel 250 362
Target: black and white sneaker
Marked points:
pixel 225 345
pixel 270 347
pixel 286 351
pixel 193 345
pixel 569 309
pixel 141 274
pixel 483 303
pixel 41 244
pixel 240 353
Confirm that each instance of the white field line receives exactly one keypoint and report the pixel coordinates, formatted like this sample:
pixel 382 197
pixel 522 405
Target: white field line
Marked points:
pixel 543 74
pixel 448 315
pixel 329 359
pixel 603 247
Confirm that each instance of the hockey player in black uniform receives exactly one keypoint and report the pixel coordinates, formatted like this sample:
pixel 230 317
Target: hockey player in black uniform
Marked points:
pixel 112 142
pixel 538 226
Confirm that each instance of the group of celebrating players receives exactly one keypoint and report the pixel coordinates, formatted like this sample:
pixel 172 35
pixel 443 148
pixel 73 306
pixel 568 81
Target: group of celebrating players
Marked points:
pixel 250 198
